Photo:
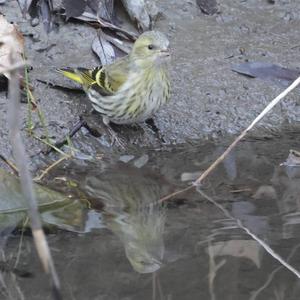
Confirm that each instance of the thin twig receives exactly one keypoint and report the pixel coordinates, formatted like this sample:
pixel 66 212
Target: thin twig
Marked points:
pixel 10 164
pixel 251 234
pixel 267 109
pixel 46 171
pixel 175 194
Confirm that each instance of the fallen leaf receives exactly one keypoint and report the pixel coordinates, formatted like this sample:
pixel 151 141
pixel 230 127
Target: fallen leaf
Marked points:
pixel 10 39
pixel 24 5
pixel 138 13
pixel 45 13
pixel 90 17
pixel 87 17
pixel 237 248
pixel 265 70
pixel 56 208
pixel 74 8
pixel 105 10
pixel 190 176
pixel 118 30
pixel 94 4
pixel 103 49
pixel 124 46
pixel 141 161
pixel 39 10
pixel 293 159
pixel 292 164
pixel 208 7
pixel 265 192
pixel 152 9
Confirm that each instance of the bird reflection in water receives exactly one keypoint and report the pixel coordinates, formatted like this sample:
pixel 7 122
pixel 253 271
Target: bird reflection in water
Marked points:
pixel 132 213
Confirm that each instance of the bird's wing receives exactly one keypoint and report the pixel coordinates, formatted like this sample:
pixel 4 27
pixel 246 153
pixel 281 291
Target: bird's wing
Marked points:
pixel 116 74
pixel 106 80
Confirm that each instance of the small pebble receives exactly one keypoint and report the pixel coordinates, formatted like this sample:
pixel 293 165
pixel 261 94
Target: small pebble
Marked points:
pixel 126 158
pixel 34 22
pixel 265 192
pixel 140 162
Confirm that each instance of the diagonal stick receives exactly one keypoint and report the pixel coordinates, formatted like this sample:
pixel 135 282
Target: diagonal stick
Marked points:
pixel 267 109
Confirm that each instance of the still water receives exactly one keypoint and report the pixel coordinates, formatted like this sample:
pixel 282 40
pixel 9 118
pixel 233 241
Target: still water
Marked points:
pixel 119 242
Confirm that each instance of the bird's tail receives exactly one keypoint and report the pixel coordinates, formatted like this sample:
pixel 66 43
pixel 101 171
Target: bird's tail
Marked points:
pixel 79 75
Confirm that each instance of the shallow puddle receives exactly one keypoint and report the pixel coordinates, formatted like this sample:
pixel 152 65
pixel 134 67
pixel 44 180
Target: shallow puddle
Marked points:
pixel 126 245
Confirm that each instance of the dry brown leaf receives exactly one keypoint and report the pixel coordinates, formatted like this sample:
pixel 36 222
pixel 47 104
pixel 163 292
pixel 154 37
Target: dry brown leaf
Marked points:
pixel 10 40
pixel 137 11
pixel 103 49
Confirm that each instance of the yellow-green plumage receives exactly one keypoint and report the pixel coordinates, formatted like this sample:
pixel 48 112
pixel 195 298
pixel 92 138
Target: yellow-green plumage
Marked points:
pixel 132 88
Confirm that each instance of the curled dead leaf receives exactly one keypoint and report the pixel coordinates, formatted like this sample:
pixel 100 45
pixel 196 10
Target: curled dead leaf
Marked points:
pixel 24 5
pixel 103 49
pixel 10 40
pixel 137 11
pixel 208 7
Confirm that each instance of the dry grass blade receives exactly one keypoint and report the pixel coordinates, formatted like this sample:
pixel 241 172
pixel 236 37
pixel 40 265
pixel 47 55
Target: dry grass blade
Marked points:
pixel 10 164
pixel 46 171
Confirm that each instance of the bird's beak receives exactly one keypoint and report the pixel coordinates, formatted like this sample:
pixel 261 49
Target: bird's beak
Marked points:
pixel 165 52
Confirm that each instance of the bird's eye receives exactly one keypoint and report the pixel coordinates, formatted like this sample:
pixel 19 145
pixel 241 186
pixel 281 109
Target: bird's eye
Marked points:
pixel 150 47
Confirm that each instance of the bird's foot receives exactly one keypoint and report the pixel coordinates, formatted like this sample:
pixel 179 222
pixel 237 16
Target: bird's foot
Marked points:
pixel 115 139
pixel 151 125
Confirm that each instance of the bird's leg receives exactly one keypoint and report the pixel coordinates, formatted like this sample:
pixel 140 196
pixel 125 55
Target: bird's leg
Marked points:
pixel 151 124
pixel 114 136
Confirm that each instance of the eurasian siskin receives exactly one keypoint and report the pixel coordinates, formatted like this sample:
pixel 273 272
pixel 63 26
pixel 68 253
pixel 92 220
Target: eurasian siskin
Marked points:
pixel 133 87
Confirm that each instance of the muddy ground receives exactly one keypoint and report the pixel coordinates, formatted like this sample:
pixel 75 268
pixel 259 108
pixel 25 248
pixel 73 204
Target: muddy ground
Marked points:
pixel 203 247
pixel 208 99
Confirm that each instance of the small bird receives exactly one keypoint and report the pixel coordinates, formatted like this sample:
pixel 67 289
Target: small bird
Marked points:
pixel 132 88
